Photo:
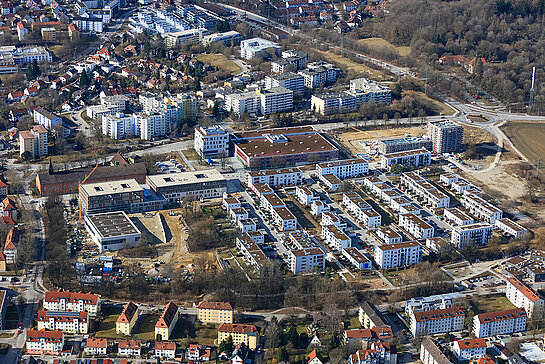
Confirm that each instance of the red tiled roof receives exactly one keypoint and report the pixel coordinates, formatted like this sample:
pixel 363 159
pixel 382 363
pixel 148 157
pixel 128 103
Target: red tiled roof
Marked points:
pixel 130 344
pixel 49 336
pixel 56 296
pixel 165 345
pixel 237 328
pixel 44 315
pixel 167 316
pixel 471 343
pixel 97 343
pixel 438 314
pixel 128 312
pixel 524 289
pixel 12 239
pixel 215 305
pixel 501 315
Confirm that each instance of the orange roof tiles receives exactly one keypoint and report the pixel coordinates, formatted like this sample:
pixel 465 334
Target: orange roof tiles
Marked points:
pixel 524 289
pixel 56 296
pixel 167 316
pixel 237 328
pixel 438 314
pixel 471 343
pixel 215 305
pixel 128 313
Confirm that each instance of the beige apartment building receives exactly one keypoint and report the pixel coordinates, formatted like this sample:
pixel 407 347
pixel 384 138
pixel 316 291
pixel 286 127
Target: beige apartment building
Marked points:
pixel 215 312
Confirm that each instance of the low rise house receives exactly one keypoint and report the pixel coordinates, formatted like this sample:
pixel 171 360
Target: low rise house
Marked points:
pixel 165 350
pixel 359 336
pixel 469 349
pixel 96 346
pixel 130 348
pixel 379 352
pixel 198 353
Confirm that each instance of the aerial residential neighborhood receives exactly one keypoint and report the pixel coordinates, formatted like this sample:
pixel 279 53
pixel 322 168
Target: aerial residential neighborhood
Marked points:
pixel 283 181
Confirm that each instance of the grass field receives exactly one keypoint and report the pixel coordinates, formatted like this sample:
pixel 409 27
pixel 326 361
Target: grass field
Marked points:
pixel 356 68
pixel 377 43
pixel 220 61
pixel 491 304
pixel 528 139
pixel 439 107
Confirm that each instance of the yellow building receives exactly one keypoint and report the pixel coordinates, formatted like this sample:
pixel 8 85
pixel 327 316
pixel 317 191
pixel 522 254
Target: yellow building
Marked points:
pixel 166 323
pixel 126 320
pixel 2 264
pixel 246 334
pixel 33 141
pixel 49 34
pixel 215 312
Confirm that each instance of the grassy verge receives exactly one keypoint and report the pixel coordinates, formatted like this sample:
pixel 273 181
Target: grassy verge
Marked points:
pixel 221 62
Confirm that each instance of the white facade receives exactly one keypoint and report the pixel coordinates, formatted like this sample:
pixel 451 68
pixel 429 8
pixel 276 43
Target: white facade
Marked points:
pixel 411 158
pixel 68 322
pixel 335 237
pixel 284 219
pixel 415 226
pixel 398 255
pixel 276 178
pixel 276 99
pixel 305 195
pixel 388 235
pixel 257 48
pixel 211 141
pixel 458 217
pixel 508 226
pixel 307 259
pixel 525 297
pixel 318 207
pixel 477 234
pixel 469 349
pixel 144 126
pixel 481 208
pixel 437 321
pixel 72 301
pixel 344 169
pixel 44 342
pixel 504 322
pixel 288 80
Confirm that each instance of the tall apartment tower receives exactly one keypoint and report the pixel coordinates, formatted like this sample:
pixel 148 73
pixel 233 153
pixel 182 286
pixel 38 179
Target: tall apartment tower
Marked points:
pixel 446 136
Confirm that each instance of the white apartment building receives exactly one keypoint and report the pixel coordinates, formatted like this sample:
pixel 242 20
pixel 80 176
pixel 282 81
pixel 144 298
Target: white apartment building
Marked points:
pixel 287 80
pixel 398 255
pixel 469 349
pixel 437 321
pixel 357 258
pixel 241 102
pixel 388 235
pixel 525 297
pixel 504 322
pixel 431 303
pixel 211 141
pixel 284 219
pixel 230 202
pixel 348 168
pixel 201 184
pixel 361 210
pixel 370 91
pixel 456 216
pixel 477 234
pixel 72 301
pixel 423 188
pixel 237 214
pixel 257 48
pixel 481 208
pixel 397 202
pixel 276 177
pixel 270 201
pixel 319 73
pixel 369 218
pixel 461 185
pixel 331 218
pixel 305 195
pixel 335 237
pixel 446 179
pixel 68 322
pixel 144 126
pixel 46 118
pixel 430 353
pixel 509 227
pixel 415 226
pixel 318 207
pixel 306 259
pixel 43 342
pixel 411 158
pixel 275 99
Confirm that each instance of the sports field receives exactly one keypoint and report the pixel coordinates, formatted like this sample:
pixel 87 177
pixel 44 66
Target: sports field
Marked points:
pixel 528 138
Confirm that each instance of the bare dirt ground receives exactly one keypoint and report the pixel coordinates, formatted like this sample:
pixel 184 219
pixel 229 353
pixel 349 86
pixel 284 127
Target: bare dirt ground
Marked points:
pixel 150 223
pixel 353 137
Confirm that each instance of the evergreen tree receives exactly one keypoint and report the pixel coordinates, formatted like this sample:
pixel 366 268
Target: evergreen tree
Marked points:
pixel 84 80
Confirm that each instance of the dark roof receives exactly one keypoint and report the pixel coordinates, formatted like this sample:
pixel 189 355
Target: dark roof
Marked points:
pixel 101 173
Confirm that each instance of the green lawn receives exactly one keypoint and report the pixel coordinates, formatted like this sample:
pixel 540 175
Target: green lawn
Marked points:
pixel 145 327
pixel 206 334
pixel 106 328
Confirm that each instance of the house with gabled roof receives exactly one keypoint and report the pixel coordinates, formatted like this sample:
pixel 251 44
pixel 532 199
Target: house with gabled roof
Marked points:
pixel 127 319
pixel 166 323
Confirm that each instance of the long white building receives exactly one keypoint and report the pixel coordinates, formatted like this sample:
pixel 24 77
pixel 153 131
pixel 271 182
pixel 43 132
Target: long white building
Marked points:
pixel 72 301
pixel 415 226
pixel 411 158
pixel 336 237
pixel 504 322
pixel 525 297
pixel 398 255
pixel 481 208
pixel 477 234
pixel 458 217
pixel 437 321
pixel 342 169
pixel 275 177
pixel 68 322
pixel 509 227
